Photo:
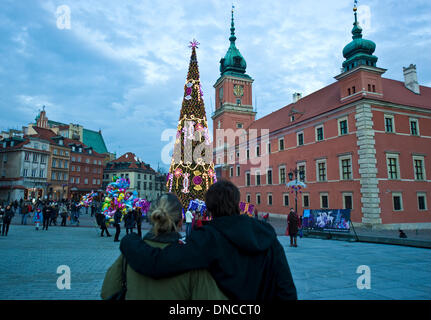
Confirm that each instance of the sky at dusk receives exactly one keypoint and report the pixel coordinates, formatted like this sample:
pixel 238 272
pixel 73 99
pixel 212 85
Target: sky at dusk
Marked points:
pixel 122 65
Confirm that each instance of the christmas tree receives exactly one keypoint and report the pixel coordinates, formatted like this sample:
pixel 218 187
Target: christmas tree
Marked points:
pixel 192 169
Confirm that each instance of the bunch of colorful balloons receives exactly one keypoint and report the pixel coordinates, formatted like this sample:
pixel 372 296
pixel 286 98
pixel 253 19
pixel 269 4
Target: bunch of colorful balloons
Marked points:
pixel 118 199
pixel 87 199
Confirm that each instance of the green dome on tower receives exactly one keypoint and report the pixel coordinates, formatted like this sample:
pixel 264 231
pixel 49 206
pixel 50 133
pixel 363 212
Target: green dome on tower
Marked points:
pixel 233 62
pixel 359 51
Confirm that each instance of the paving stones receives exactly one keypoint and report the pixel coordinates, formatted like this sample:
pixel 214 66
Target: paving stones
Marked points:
pixel 322 269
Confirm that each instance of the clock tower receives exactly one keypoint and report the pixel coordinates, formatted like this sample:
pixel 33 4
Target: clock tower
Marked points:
pixel 233 101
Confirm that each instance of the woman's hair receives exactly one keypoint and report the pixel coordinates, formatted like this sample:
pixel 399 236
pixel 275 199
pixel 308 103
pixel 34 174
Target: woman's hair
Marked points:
pixel 167 214
pixel 222 199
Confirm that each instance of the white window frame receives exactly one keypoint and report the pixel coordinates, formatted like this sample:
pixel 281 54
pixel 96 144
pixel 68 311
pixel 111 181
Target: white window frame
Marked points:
pixel 268 147
pixel 272 176
pixel 422 158
pixel 302 198
pixel 279 174
pixel 390 116
pixel 258 195
pixel 300 164
pixel 323 131
pixel 317 170
pixel 248 198
pixel 339 129
pixel 340 164
pixel 247 174
pixel 321 194
pixel 397 156
pixel 422 194
pixel 417 126
pixel 395 194
pixel 297 138
pixel 344 194
pixel 269 194
pixel 284 144
pixel 238 170
pixel 231 171
pixel 288 199
pixel 256 174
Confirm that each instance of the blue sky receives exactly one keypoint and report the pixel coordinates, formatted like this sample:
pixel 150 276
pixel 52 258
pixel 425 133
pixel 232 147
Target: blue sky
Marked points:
pixel 122 65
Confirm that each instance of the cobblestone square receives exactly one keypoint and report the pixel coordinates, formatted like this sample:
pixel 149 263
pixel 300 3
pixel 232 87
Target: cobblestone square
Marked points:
pixel 322 269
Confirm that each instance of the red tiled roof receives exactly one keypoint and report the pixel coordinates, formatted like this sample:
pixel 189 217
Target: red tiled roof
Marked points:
pixel 48 134
pixel 133 161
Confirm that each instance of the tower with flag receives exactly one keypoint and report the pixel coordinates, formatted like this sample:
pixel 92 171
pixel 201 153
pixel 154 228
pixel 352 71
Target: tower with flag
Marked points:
pixel 192 169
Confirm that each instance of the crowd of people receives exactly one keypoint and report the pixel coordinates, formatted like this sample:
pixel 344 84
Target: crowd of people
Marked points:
pixel 43 213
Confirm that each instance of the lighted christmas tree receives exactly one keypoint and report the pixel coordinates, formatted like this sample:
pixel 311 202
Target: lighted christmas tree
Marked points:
pixel 192 169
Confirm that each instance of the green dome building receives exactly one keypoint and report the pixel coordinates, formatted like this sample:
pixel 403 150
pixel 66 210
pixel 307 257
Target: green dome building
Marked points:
pixel 359 51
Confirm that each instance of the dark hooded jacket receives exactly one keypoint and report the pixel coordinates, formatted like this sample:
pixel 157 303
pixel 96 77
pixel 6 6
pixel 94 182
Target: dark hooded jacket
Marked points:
pixel 242 254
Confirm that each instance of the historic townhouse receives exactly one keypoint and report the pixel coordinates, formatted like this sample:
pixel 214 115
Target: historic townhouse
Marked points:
pixel 362 142
pixel 148 183
pixel 23 168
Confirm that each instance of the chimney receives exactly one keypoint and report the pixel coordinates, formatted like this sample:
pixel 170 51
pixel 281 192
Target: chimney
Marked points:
pixel 296 96
pixel 411 78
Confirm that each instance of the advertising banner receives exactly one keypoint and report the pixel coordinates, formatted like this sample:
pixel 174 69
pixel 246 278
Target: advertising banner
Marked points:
pixel 327 220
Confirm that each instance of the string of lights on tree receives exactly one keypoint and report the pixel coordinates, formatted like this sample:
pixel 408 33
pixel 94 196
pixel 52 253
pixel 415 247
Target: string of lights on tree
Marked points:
pixel 190 180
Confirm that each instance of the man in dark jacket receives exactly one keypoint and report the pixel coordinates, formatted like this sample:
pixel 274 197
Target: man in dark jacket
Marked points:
pixel 242 254
pixel 117 221
pixel 101 221
pixel 46 211
pixel 7 218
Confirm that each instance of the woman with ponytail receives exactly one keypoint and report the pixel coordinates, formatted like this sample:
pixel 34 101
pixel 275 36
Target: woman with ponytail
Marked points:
pixel 166 219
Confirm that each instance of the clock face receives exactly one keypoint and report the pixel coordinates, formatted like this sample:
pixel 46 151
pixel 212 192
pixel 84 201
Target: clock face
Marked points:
pixel 238 90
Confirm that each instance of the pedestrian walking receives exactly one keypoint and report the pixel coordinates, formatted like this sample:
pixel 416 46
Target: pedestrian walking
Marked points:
pixel 46 211
pixel 189 221
pixel 101 221
pixel 256 214
pixel 53 215
pixel 7 219
pixel 38 218
pixel 24 213
pixel 129 221
pixel 117 221
pixel 1 216
pixel 93 209
pixel 63 214
pixel 292 227
pixel 138 218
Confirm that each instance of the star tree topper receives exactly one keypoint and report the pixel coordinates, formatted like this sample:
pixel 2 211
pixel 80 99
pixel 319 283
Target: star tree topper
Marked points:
pixel 194 44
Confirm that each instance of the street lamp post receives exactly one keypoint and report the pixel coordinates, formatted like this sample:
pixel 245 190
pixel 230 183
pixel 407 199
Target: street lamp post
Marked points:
pixel 295 172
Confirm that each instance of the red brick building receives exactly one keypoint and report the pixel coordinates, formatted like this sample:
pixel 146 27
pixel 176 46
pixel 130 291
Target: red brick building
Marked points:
pixel 86 169
pixel 363 142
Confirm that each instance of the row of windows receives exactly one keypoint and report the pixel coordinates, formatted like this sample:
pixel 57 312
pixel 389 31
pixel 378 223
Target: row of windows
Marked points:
pixel 343 129
pixel 126 176
pixel 86 169
pixel 35 157
pixel 390 125
pixel 60 152
pixel 393 166
pixel 345 169
pixel 76 180
pixel 324 200
pixel 86 160
pixel 397 200
pixel 34 173
pixel 58 163
pixel 59 176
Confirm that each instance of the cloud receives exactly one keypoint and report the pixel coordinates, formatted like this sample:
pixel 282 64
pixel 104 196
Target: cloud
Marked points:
pixel 122 65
